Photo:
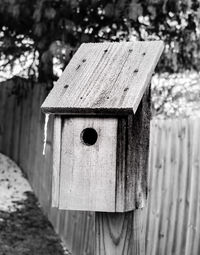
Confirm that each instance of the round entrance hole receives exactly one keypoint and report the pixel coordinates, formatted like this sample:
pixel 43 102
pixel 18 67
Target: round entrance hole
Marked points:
pixel 89 136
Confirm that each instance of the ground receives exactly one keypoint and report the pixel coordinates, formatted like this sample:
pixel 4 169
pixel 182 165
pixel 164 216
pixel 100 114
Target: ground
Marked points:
pixel 24 229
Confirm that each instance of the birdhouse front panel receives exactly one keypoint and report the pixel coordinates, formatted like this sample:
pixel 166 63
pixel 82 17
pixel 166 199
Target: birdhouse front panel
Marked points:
pixel 88 164
pixel 100 164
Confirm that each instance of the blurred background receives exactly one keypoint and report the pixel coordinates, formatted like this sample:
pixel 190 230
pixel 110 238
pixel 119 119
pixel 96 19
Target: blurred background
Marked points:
pixel 38 39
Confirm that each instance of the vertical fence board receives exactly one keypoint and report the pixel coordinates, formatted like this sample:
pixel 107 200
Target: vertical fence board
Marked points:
pixel 157 195
pixel 191 225
pixel 3 98
pixel 16 133
pixel 196 243
pixel 8 118
pixel 183 166
pixel 151 177
pixel 162 238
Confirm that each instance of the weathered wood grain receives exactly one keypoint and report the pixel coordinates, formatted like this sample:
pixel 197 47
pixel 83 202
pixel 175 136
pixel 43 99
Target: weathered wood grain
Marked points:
pixel 196 237
pixel 182 182
pixel 120 233
pixel 88 173
pixel 163 190
pixel 132 158
pixel 33 132
pixel 192 196
pixel 159 177
pixel 56 161
pixel 16 132
pixel 8 121
pixel 108 78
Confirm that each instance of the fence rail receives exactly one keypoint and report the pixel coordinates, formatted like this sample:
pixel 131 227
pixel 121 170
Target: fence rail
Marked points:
pixel 173 210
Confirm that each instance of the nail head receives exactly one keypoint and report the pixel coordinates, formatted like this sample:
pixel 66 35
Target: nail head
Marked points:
pixel 78 67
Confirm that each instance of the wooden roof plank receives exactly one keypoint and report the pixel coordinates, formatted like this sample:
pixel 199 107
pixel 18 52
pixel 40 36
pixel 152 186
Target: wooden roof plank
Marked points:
pixel 105 77
pixel 145 69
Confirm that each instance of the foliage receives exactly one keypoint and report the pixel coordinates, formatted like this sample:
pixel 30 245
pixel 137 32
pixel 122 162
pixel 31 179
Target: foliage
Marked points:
pixel 176 95
pixel 51 30
pixel 178 24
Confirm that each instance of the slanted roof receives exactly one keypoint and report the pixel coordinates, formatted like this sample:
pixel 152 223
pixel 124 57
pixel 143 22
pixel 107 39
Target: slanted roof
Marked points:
pixel 105 78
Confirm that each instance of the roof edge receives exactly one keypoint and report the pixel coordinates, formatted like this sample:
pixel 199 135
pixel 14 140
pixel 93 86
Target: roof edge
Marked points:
pixel 149 76
pixel 87 111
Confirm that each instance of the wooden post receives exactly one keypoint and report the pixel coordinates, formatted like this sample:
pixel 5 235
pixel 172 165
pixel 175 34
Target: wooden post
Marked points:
pixel 120 233
pixel 124 233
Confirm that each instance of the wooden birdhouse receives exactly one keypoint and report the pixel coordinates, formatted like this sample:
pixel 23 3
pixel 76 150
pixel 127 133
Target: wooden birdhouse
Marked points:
pixel 101 127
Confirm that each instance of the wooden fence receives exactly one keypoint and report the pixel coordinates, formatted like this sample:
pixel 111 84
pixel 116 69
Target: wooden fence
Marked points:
pixel 173 211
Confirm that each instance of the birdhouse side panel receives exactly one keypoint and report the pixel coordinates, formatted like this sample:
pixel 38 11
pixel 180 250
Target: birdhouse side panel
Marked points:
pixel 132 157
pixel 88 166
